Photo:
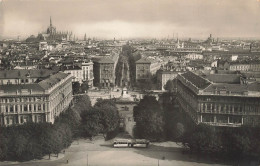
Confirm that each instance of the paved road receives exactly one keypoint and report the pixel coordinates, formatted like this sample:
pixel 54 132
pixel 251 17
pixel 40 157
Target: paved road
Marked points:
pixel 101 153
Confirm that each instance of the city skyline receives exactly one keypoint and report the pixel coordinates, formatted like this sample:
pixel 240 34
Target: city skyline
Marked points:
pixel 135 19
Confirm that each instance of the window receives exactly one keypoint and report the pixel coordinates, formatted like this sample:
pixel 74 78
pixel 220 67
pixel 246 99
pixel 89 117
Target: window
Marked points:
pixel 39 107
pixel 25 108
pixel 21 119
pixel 11 108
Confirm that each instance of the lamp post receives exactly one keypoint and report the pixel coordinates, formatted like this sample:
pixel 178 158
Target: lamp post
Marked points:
pixel 87 159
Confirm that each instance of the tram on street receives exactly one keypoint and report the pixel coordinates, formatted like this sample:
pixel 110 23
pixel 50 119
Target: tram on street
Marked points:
pixel 136 143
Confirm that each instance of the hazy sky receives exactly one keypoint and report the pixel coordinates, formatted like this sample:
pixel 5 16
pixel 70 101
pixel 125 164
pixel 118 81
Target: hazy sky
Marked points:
pixel 132 18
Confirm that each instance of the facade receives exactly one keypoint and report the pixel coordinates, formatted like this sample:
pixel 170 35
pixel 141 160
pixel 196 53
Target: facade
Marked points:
pixel 37 99
pixel 164 76
pixel 194 56
pixel 125 105
pixel 75 71
pixel 145 68
pixel 26 65
pixel 219 100
pixel 245 66
pixel 155 66
pixel 87 71
pixel 142 69
pixel 104 75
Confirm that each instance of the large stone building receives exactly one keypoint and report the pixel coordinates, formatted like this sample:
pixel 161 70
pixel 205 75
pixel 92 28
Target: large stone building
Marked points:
pixel 245 66
pixel 87 71
pixel 104 75
pixel 194 56
pixel 219 99
pixel 33 95
pixel 75 71
pixel 53 34
pixel 163 76
pixel 145 68
pixel 142 69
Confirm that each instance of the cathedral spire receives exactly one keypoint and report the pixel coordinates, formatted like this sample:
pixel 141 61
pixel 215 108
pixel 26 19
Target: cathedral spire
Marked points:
pixel 50 22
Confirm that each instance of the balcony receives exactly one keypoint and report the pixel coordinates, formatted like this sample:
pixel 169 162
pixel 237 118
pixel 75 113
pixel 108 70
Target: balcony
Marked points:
pixel 223 124
pixel 222 112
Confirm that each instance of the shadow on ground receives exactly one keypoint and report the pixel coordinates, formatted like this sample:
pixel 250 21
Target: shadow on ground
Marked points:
pixel 177 154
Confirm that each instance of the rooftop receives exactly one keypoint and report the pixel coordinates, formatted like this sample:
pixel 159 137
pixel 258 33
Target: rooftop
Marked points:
pixel 198 81
pixel 224 78
pixel 11 74
pixel 52 80
pixel 103 60
pixel 143 60
pixel 35 87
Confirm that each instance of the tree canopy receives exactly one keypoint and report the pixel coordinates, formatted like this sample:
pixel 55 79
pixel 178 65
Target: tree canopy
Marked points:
pixel 109 116
pixel 149 119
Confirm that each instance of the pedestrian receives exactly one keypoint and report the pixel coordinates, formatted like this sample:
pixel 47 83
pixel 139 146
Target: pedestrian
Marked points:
pixel 67 161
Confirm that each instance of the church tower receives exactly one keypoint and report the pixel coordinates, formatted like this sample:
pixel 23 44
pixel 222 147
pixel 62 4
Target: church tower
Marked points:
pixel 85 37
pixel 51 29
pixel 50 22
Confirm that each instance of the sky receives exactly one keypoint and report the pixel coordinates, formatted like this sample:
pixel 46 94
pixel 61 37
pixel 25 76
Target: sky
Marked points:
pixel 132 18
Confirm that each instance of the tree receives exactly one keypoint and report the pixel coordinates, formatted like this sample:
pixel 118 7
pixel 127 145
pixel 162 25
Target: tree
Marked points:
pixel 19 145
pixel 76 87
pixel 84 87
pixel 109 116
pixel 72 119
pixel 169 86
pixel 3 147
pixel 57 141
pixel 203 138
pixel 82 103
pixel 91 125
pixel 45 139
pixel 236 142
pixel 149 119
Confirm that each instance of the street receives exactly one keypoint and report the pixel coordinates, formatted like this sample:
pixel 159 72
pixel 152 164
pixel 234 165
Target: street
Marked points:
pixel 101 153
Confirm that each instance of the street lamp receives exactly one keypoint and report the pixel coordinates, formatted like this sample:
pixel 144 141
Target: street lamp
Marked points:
pixel 87 159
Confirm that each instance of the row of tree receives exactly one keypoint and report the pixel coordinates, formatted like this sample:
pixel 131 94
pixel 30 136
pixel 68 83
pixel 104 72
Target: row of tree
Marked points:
pixel 78 88
pixel 233 143
pixel 159 120
pixel 34 140
pixel 162 120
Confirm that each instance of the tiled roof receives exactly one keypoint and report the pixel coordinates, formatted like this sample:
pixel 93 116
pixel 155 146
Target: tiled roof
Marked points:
pixel 234 88
pixel 103 60
pixel 9 74
pixel 143 60
pixel 224 78
pixel 13 88
pixel 75 67
pixel 196 80
pixel 238 88
pixel 52 80
pixel 36 87
pixel 254 86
